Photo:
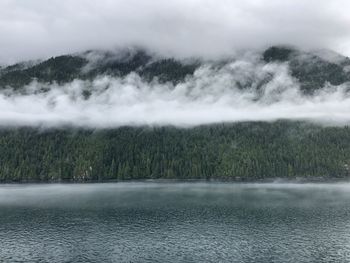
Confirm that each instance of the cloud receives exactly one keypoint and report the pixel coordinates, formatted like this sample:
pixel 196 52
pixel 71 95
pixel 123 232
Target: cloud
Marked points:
pixel 40 28
pixel 211 95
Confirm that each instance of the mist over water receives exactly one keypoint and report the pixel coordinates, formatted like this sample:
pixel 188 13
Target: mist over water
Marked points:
pixel 175 222
pixel 242 90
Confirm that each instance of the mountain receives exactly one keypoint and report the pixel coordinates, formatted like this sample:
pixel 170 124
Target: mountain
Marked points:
pixel 236 150
pixel 66 68
pixel 312 70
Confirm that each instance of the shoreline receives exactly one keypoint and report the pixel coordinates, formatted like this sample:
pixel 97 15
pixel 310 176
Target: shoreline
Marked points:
pixel 297 180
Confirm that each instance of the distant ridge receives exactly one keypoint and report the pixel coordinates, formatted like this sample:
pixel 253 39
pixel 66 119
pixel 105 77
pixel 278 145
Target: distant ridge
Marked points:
pixel 310 69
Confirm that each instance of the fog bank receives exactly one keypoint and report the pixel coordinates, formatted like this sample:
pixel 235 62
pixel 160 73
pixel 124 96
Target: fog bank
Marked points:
pixel 134 194
pixel 211 95
pixel 208 28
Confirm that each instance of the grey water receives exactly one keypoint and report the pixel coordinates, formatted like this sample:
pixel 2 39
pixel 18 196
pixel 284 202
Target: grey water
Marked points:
pixel 175 222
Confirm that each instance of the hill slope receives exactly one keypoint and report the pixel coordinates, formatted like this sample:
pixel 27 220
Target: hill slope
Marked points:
pixel 244 151
pixel 77 137
pixel 310 69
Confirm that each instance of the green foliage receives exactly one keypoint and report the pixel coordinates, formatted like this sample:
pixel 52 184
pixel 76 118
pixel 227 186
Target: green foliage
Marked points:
pixel 60 69
pixel 120 67
pixel 243 151
pixel 311 71
pixel 64 69
pixel 278 54
pixel 168 70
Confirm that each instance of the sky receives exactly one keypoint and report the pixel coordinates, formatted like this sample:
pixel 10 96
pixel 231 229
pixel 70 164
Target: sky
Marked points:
pixel 32 29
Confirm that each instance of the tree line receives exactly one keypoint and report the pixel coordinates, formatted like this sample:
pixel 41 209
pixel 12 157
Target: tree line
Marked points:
pixel 241 151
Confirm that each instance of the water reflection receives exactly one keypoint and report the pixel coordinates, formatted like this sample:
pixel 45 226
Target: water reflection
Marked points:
pixel 175 222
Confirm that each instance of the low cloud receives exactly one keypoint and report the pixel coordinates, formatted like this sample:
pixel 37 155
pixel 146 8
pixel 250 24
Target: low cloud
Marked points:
pixel 212 95
pixel 182 28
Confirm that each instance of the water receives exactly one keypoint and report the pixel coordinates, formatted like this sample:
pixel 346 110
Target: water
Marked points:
pixel 175 222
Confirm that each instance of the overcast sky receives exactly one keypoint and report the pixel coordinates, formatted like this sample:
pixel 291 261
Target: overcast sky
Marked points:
pixel 32 29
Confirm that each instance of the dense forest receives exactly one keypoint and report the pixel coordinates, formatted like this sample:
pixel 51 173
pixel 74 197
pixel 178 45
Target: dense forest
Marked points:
pixel 63 69
pixel 242 151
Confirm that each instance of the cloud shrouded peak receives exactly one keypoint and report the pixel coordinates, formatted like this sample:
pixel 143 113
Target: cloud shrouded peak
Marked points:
pixel 40 28
pixel 109 90
pixel 196 62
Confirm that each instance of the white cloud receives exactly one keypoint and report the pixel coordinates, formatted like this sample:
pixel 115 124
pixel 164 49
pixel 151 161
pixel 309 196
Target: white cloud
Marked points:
pixel 210 96
pixel 40 28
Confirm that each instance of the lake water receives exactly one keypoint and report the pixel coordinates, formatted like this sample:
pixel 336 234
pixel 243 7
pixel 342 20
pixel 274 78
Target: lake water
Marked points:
pixel 175 222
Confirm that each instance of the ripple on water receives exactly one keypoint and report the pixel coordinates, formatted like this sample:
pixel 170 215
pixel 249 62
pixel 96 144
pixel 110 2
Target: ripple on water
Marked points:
pixel 131 222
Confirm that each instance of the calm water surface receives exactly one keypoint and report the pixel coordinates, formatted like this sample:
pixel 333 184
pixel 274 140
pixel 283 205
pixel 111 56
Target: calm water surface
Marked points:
pixel 175 222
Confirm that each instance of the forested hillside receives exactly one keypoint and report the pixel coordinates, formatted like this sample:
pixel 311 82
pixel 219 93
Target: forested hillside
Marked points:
pixel 66 68
pixel 311 70
pixel 85 130
pixel 243 151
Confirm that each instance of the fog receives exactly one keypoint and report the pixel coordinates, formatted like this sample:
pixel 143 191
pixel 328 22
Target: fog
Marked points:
pixel 159 194
pixel 208 28
pixel 212 95
pixel 205 29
